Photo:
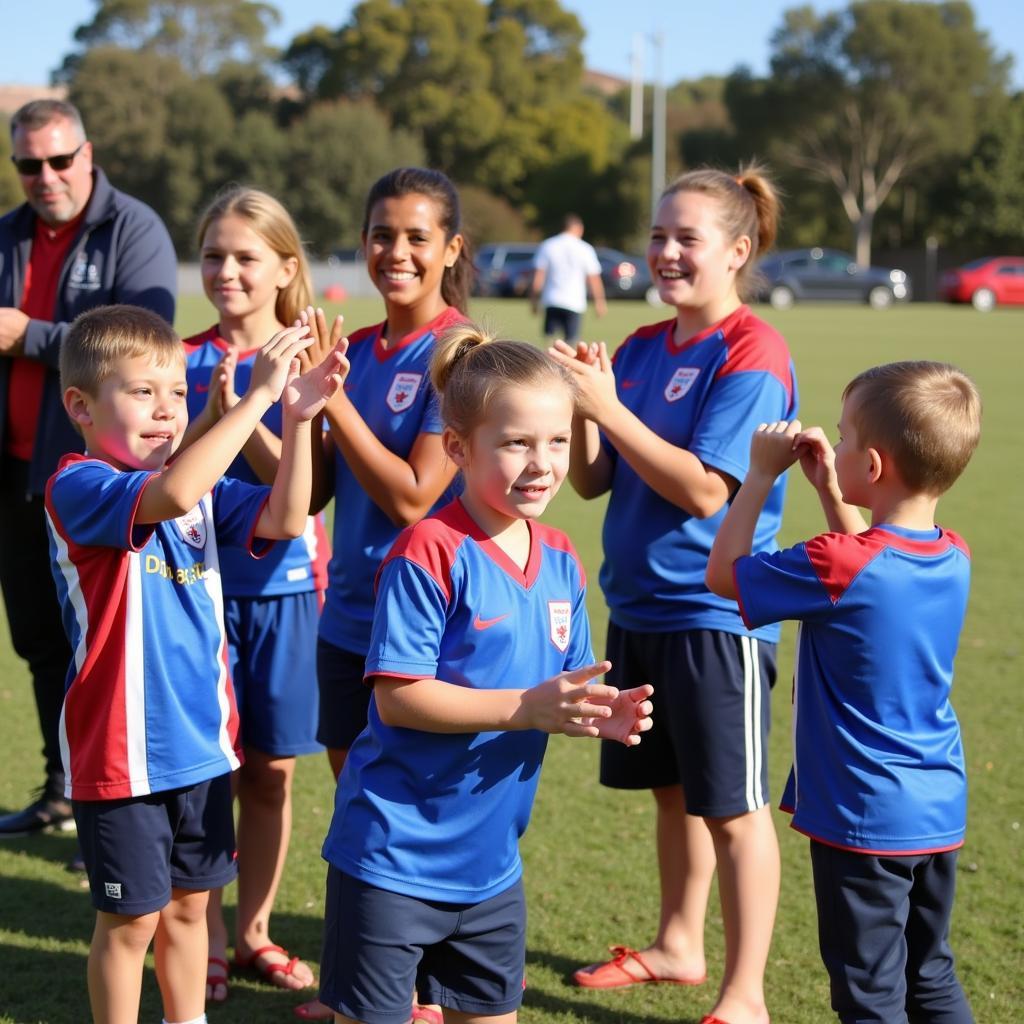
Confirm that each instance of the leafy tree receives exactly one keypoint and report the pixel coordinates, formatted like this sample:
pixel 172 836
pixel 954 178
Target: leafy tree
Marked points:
pixel 333 155
pixel 990 200
pixel 493 89
pixel 10 188
pixel 864 96
pixel 200 34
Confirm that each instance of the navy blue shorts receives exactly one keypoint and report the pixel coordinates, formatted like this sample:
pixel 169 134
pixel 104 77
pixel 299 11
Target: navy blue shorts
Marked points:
pixel 344 697
pixel 712 709
pixel 883 932
pixel 272 643
pixel 379 946
pixel 139 848
pixel 561 323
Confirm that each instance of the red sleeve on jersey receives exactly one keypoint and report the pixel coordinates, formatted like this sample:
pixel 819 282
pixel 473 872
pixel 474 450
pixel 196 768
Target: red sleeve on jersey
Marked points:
pixel 557 540
pixel 644 334
pixel 957 541
pixel 754 346
pixel 431 544
pixel 837 559
pixel 197 341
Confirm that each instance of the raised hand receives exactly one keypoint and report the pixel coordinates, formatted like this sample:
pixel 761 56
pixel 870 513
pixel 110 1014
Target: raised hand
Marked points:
pixel 772 448
pixel 592 367
pixel 817 458
pixel 221 395
pixel 569 702
pixel 306 394
pixel 324 340
pixel 272 367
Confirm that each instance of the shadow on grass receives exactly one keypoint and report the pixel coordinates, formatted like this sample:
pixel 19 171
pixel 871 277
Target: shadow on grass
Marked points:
pixel 583 1007
pixel 58 847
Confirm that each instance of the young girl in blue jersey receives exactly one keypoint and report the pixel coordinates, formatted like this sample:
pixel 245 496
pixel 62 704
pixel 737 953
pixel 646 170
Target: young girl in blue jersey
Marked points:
pixel 480 646
pixel 256 276
pixel 385 466
pixel 663 427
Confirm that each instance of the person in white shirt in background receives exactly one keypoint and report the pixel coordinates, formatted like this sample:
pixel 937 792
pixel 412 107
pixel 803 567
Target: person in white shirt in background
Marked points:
pixel 563 268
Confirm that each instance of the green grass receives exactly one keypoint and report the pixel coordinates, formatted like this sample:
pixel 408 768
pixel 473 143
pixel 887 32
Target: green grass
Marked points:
pixel 590 870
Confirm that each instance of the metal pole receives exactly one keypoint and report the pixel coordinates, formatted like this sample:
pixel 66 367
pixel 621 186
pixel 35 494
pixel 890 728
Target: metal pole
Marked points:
pixel 657 125
pixel 636 95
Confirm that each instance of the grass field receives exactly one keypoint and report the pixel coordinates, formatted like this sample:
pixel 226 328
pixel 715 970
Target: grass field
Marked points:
pixel 590 871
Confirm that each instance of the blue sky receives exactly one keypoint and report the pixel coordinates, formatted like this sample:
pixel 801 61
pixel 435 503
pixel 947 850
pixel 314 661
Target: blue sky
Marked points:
pixel 699 37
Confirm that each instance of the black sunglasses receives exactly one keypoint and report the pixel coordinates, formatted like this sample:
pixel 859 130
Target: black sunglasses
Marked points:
pixel 30 165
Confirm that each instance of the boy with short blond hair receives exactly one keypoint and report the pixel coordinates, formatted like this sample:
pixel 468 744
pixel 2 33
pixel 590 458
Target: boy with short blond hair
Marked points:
pixel 878 780
pixel 149 727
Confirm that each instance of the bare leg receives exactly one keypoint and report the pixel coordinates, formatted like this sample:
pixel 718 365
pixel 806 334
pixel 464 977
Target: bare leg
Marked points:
pixel 686 866
pixel 264 830
pixel 180 952
pixel 116 958
pixel 336 756
pixel 748 881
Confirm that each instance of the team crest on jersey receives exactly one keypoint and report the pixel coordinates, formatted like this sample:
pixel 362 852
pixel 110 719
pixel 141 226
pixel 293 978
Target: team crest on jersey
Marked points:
pixel 681 382
pixel 193 527
pixel 403 391
pixel 559 617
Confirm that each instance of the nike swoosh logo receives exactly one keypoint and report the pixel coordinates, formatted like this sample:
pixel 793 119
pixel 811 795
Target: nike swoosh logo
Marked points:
pixel 479 623
pixel 630 384
pixel 202 388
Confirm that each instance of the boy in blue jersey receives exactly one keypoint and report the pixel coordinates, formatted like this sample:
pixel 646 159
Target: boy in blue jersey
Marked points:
pixel 878 780
pixel 149 726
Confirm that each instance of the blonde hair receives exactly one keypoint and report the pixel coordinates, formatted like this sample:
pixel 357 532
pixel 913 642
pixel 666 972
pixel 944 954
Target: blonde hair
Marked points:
pixel 469 367
pixel 274 224
pixel 748 204
pixel 925 415
pixel 100 338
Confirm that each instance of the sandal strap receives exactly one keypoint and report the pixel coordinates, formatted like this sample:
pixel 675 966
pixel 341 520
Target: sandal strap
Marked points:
pixel 624 953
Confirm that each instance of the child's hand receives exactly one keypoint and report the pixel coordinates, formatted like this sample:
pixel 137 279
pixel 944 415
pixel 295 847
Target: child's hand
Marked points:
pixel 569 702
pixel 272 367
pixel 772 449
pixel 304 396
pixel 817 458
pixel 324 340
pixel 592 367
pixel 221 394
pixel 631 715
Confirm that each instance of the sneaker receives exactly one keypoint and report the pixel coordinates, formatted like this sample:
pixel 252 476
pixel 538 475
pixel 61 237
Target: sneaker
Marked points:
pixel 44 813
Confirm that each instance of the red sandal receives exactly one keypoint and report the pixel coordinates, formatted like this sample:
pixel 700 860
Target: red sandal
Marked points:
pixel 269 971
pixel 613 974
pixel 213 980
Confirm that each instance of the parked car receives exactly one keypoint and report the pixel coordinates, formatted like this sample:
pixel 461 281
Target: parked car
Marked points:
pixel 623 276
pixel 810 275
pixel 626 277
pixel 987 282
pixel 500 267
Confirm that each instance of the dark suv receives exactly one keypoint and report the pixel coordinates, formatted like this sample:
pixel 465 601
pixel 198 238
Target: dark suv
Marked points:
pixel 501 267
pixel 810 275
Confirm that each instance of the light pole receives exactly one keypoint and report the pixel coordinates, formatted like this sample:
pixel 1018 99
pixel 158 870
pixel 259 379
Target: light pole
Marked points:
pixel 657 124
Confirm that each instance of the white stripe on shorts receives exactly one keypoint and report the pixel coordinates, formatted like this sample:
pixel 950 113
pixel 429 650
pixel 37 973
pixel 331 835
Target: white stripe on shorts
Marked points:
pixel 752 722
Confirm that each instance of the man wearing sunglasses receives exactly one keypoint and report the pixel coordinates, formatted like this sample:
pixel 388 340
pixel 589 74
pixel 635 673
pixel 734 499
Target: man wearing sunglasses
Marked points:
pixel 75 243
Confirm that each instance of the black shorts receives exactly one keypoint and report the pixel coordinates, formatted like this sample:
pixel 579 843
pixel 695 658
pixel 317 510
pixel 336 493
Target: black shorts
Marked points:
pixel 561 323
pixel 379 946
pixel 139 848
pixel 344 697
pixel 883 932
pixel 711 716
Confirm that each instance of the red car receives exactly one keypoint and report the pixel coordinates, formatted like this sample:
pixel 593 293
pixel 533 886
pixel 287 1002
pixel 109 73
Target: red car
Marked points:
pixel 985 283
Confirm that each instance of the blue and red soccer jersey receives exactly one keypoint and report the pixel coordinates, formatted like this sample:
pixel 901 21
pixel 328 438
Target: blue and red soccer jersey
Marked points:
pixel 878 764
pixel 438 815
pixel 149 704
pixel 292 566
pixel 707 395
pixel 390 388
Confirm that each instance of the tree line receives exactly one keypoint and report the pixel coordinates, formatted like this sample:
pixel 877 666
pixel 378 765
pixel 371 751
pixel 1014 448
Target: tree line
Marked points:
pixel 888 121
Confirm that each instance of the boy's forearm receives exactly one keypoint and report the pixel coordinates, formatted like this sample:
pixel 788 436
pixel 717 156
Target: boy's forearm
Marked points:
pixel 735 537
pixel 287 508
pixel 194 472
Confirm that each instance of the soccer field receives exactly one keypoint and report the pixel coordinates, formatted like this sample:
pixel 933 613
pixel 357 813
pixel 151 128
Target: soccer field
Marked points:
pixel 590 866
